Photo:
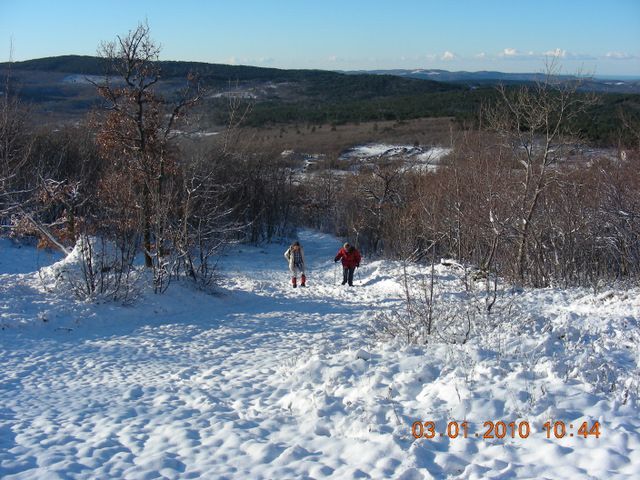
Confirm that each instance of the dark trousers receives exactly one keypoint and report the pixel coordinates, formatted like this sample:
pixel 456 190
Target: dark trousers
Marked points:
pixel 347 275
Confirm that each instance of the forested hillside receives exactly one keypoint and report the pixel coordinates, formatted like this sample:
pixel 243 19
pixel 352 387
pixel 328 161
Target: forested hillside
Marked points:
pixel 280 96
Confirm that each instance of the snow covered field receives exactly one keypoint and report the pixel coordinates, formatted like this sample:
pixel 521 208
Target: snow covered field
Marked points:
pixel 264 381
pixel 416 157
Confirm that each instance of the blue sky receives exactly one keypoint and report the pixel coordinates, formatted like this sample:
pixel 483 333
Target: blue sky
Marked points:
pixel 601 37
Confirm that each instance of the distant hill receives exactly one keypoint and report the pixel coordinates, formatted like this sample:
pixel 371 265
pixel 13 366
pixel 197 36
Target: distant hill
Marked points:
pixel 447 76
pixel 59 89
pixel 81 64
pixel 610 85
pixel 316 82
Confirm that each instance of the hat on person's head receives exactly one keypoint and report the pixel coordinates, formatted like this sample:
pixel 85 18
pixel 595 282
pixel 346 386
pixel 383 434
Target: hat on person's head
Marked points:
pixel 346 245
pixel 296 243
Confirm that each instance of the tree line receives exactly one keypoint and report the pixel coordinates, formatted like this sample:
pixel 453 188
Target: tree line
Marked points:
pixel 515 197
pixel 122 185
pixel 512 198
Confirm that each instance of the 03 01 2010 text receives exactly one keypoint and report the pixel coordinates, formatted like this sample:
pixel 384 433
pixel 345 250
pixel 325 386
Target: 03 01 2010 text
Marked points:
pixel 501 429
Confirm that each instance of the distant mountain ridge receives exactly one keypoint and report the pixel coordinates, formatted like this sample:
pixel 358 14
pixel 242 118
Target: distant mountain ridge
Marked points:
pixel 59 90
pixel 458 76
pixel 611 84
pixel 59 86
pixel 89 65
pixel 214 73
pixel 372 83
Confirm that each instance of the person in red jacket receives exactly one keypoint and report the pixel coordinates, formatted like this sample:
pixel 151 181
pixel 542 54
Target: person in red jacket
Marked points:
pixel 350 261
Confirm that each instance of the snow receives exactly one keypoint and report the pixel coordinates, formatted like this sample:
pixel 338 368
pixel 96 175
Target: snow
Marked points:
pixel 206 134
pixel 264 381
pixel 18 258
pixel 234 94
pixel 305 160
pixel 415 157
pixel 194 134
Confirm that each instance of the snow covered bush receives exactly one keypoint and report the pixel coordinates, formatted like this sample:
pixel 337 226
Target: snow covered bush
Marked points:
pixel 444 303
pixel 96 270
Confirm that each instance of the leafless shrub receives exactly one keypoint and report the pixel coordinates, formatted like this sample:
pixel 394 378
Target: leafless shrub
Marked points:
pixel 15 149
pixel 97 270
pixel 515 199
pixel 136 134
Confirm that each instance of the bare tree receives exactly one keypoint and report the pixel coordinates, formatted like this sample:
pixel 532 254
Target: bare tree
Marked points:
pixel 15 146
pixel 137 131
pixel 206 222
pixel 534 122
pixel 379 188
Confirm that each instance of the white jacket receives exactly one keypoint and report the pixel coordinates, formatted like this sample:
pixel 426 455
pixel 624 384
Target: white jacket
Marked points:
pixel 290 258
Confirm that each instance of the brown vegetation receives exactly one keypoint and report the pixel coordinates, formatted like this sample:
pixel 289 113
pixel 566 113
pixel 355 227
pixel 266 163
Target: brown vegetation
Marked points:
pixel 331 141
pixel 505 200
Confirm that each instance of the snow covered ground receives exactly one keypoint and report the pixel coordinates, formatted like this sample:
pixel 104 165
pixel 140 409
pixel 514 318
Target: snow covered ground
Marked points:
pixel 416 157
pixel 264 381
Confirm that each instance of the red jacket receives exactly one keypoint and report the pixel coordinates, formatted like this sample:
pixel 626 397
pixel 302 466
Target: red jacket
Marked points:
pixel 349 259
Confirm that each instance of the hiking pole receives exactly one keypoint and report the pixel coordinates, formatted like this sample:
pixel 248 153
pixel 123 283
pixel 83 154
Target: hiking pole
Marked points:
pixel 335 273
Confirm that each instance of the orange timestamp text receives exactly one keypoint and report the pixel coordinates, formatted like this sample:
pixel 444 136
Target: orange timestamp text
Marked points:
pixel 500 429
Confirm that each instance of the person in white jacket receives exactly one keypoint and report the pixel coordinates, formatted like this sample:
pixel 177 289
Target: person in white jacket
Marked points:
pixel 295 257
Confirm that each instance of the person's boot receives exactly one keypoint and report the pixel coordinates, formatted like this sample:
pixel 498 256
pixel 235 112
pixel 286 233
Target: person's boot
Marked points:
pixel 294 281
pixel 303 281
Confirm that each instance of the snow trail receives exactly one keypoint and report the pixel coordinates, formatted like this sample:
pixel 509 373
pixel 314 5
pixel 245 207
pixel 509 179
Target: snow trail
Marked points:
pixel 184 388
pixel 265 381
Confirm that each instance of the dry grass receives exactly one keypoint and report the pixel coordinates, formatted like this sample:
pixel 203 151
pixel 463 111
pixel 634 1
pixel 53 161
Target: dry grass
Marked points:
pixel 331 141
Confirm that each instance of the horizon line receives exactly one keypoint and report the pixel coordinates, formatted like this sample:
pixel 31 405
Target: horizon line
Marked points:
pixel 612 76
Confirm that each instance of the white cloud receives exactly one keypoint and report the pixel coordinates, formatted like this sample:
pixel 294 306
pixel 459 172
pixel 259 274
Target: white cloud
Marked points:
pixel 481 55
pixel 513 53
pixel 619 56
pixel 559 53
pixel 448 56
pixel 510 52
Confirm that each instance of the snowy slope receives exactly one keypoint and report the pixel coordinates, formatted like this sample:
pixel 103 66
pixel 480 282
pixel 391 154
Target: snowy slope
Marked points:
pixel 264 381
pixel 415 154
